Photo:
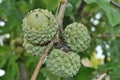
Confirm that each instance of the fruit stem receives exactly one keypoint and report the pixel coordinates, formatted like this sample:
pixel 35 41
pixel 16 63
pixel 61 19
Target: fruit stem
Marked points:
pixel 60 17
pixel 41 60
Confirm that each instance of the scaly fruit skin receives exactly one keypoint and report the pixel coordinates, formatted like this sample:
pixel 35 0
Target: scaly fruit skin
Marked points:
pixel 33 49
pixel 63 64
pixel 77 37
pixel 39 26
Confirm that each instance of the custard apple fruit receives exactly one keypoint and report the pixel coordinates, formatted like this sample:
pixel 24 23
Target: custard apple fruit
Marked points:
pixel 63 64
pixel 77 37
pixel 33 49
pixel 39 26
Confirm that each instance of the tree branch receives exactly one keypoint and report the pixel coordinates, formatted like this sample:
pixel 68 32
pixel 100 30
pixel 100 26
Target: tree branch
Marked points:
pixel 50 45
pixel 107 77
pixel 101 76
pixel 23 73
pixel 105 36
pixel 61 16
pixel 41 60
pixel 115 4
pixel 80 9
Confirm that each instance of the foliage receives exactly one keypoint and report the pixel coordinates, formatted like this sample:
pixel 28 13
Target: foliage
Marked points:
pixel 107 32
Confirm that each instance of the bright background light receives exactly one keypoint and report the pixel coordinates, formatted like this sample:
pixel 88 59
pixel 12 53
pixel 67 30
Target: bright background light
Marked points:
pixel 2 72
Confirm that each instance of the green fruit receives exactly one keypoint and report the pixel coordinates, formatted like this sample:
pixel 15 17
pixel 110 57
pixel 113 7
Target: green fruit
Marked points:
pixel 6 41
pixel 39 26
pixel 16 43
pixel 77 37
pixel 33 49
pixel 19 50
pixel 63 64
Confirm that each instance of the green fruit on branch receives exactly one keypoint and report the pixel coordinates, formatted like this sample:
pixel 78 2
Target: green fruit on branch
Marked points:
pixel 39 26
pixel 77 37
pixel 16 45
pixel 63 64
pixel 19 50
pixel 16 42
pixel 33 49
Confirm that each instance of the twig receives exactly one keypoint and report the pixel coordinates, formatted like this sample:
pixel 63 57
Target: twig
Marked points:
pixel 80 9
pixel 115 4
pixel 23 73
pixel 107 77
pixel 41 60
pixel 61 16
pixel 105 36
pixel 101 76
pixel 50 45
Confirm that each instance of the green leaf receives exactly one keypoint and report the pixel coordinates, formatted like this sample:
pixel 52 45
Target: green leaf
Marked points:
pixel 13 17
pixel 51 4
pixel 4 55
pixel 115 50
pixel 23 6
pixel 107 67
pixel 85 73
pixel 113 68
pixel 112 13
pixel 69 9
pixel 115 75
pixel 12 71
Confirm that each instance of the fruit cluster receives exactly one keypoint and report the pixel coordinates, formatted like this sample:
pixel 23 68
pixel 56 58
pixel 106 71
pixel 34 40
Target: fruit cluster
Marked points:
pixel 40 27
